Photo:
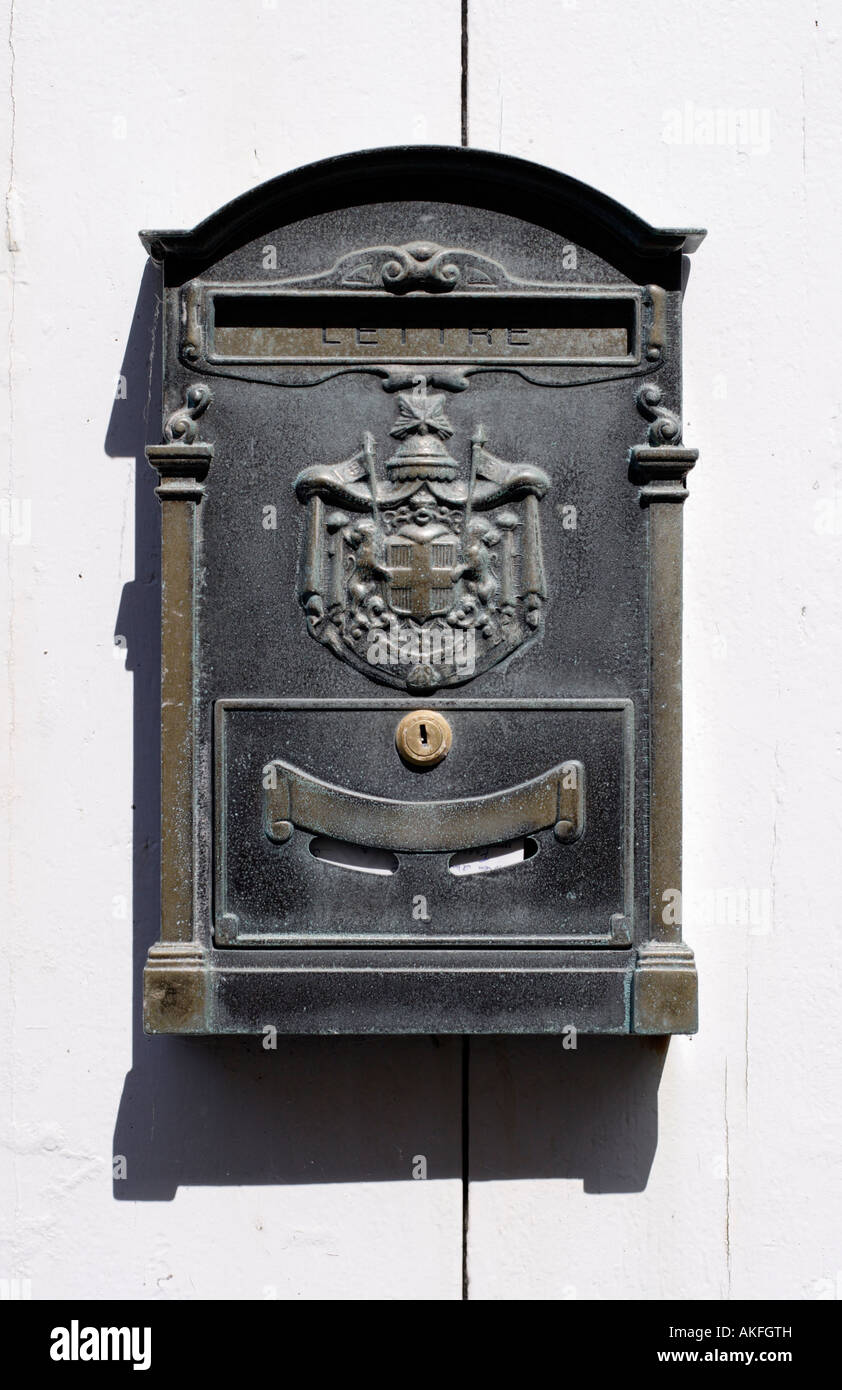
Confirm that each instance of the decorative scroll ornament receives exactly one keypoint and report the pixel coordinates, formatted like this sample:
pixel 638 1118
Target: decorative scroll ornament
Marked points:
pixel 421 579
pixel 421 265
pixel 182 426
pixel 661 466
pixel 666 426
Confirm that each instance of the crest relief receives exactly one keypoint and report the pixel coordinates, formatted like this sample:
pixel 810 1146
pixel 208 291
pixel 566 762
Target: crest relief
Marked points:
pixel 422 578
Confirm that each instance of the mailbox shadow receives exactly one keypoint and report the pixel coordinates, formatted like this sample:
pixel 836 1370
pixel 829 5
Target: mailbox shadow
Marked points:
pixel 216 1111
pixel 539 1109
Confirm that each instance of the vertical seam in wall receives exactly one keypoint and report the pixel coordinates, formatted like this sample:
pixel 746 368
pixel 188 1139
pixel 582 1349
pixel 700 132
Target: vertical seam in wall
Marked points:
pixel 11 246
pixel 466 1159
pixel 727 1186
pixel 464 92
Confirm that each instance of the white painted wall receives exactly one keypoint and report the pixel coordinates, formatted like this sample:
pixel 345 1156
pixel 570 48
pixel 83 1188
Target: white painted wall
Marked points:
pixel 607 1172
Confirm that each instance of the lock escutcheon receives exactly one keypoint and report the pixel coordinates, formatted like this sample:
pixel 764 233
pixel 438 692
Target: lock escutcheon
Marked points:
pixel 423 738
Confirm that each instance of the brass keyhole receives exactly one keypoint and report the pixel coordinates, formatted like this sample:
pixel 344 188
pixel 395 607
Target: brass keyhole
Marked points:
pixel 423 738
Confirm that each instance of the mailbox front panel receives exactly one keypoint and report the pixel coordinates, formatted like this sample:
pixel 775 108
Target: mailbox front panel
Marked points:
pixel 419 483
pixel 499 792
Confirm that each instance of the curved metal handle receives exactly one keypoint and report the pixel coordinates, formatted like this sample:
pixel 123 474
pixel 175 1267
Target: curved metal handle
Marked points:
pixel 557 798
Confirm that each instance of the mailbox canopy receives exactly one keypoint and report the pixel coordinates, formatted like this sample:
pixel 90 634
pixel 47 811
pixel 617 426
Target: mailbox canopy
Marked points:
pixel 421 606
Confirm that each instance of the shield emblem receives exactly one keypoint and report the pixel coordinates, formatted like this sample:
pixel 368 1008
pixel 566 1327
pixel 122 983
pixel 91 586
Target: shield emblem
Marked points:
pixel 420 583
pixel 422 579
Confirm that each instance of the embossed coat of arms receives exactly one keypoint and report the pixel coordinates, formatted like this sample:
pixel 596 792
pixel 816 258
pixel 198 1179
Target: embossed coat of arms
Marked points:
pixel 422 578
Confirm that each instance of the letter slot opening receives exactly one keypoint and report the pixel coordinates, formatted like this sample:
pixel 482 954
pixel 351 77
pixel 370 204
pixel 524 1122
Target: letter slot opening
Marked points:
pixel 360 859
pixel 489 858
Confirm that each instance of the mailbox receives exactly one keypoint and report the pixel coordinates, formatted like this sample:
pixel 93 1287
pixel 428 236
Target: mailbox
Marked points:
pixel 421 482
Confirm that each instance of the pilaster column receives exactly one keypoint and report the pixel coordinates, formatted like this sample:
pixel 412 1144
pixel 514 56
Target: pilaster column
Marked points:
pixel 665 986
pixel 174 978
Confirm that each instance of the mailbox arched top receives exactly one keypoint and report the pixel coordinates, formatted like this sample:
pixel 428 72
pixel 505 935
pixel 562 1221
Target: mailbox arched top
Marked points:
pixel 439 173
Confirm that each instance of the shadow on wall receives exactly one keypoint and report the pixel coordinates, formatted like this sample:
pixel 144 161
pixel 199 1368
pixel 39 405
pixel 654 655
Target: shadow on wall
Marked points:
pixel 211 1111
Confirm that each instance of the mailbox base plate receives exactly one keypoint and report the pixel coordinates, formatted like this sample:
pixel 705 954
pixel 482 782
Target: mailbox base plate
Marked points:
pixel 431 992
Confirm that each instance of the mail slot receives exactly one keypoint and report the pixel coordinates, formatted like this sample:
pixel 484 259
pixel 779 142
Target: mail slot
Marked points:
pixel 421 482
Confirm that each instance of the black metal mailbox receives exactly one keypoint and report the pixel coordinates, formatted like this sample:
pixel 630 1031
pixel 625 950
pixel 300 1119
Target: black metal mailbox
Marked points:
pixel 421 495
